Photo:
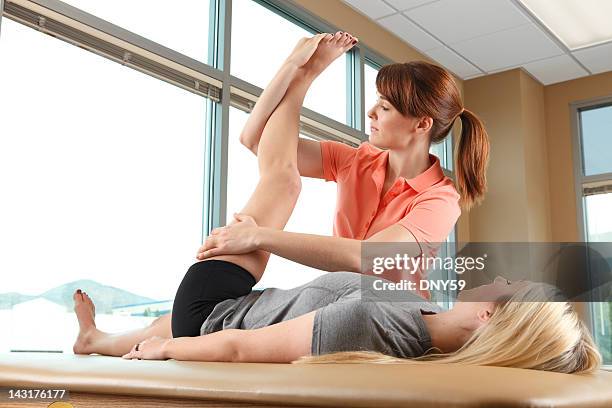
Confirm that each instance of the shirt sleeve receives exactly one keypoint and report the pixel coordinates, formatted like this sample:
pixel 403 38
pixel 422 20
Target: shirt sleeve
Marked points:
pixel 433 217
pixel 337 159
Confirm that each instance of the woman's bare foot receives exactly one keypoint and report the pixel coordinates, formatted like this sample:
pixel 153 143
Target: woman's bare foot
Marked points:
pixel 86 313
pixel 329 48
pixel 325 47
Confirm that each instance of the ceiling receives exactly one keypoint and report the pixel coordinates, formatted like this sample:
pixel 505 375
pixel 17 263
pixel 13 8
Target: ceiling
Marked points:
pixel 473 38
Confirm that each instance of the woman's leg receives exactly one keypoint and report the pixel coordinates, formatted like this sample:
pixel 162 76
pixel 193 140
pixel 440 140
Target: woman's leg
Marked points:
pixel 277 191
pixel 92 340
pixel 270 205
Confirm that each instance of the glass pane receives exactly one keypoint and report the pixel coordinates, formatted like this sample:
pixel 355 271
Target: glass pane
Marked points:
pixel 599 229
pixel 602 320
pixel 262 40
pixel 599 222
pixel 444 151
pixel 313 214
pixel 182 26
pixel 597 140
pixel 369 80
pixel 101 190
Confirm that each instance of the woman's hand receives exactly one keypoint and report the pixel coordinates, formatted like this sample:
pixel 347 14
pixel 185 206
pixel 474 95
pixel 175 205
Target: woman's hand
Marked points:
pixel 153 348
pixel 304 49
pixel 239 237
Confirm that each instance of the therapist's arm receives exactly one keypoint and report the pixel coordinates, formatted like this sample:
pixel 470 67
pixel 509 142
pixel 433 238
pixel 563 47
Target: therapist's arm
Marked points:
pixel 323 252
pixel 317 251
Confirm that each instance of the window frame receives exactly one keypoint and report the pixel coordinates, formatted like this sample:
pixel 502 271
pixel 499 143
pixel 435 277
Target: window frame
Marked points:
pixel 1 13
pixel 581 181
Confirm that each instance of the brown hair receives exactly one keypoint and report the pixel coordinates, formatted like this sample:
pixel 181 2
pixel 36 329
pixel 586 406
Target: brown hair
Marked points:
pixel 420 89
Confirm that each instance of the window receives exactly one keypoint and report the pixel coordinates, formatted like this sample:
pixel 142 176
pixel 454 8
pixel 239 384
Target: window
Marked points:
pixel 262 40
pixel 104 168
pixel 313 213
pixel 101 186
pixel 182 27
pixel 369 76
pixel 596 140
pixel 599 229
pixel 594 184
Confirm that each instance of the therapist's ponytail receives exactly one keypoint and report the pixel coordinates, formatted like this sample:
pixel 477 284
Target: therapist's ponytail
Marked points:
pixel 421 89
pixel 472 159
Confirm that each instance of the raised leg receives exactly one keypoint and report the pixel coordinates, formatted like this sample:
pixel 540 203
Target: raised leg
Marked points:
pixel 277 191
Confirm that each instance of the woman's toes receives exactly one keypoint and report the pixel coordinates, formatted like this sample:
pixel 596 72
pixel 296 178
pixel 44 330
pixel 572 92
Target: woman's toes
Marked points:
pixel 338 36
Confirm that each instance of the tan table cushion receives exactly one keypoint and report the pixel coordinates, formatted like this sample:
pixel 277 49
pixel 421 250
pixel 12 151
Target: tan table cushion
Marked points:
pixel 324 385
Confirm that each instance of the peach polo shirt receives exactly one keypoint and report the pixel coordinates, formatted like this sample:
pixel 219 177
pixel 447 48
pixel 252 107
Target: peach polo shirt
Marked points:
pixel 426 205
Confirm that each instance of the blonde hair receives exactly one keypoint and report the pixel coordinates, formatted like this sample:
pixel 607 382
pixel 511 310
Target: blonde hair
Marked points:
pixel 521 333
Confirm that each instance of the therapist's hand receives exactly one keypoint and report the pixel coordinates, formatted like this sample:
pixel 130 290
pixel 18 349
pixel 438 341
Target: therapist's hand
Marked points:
pixel 239 237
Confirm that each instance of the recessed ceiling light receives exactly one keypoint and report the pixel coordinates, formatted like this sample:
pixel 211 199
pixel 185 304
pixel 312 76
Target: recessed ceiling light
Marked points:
pixel 577 23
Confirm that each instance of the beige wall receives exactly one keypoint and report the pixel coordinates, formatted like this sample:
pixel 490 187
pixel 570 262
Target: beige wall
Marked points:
pixel 517 205
pixel 559 144
pixel 531 142
pixel 536 163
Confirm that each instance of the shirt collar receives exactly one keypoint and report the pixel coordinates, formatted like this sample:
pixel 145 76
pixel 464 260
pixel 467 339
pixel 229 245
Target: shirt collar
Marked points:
pixel 421 182
pixel 429 177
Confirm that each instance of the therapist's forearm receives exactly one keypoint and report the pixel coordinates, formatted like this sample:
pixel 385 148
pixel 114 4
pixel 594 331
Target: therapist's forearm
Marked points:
pixel 321 252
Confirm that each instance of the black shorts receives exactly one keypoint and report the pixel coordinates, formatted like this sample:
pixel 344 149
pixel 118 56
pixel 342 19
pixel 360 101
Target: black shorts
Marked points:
pixel 205 284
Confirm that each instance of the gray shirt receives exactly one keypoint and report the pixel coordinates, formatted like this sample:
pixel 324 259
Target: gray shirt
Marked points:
pixel 343 321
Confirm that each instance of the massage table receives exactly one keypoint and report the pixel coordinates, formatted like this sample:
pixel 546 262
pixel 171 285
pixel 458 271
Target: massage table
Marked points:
pixel 101 381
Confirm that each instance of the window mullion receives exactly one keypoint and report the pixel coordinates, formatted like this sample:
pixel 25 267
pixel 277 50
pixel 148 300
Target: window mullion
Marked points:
pixel 1 12
pixel 355 99
pixel 216 161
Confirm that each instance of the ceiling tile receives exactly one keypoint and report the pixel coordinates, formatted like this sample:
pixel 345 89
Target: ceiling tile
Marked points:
pixel 453 62
pixel 598 59
pixel 508 48
pixel 453 21
pixel 409 32
pixel 402 5
pixel 371 8
pixel 473 76
pixel 555 69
